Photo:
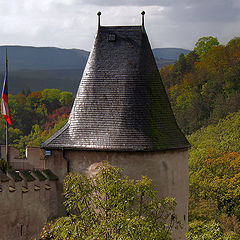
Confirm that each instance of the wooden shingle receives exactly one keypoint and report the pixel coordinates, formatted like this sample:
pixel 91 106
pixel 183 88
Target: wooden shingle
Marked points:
pixel 121 104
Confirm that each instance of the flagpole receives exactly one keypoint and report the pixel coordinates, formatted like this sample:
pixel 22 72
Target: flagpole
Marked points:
pixel 5 111
pixel 6 120
pixel 6 141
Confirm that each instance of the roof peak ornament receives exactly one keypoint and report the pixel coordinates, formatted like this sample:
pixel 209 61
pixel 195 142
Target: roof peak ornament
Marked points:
pixel 143 13
pixel 99 14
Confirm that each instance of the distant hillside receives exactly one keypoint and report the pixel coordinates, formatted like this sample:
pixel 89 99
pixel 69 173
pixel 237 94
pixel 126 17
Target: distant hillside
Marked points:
pixel 169 53
pixel 37 68
pixel 43 58
pixel 37 80
pixel 166 56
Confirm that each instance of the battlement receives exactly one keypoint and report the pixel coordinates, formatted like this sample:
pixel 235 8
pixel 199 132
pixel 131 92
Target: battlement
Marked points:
pixel 35 158
pixel 28 200
pixel 28 194
pixel 27 181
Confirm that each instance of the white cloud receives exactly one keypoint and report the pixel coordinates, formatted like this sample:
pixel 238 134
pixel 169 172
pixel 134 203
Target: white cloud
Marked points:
pixel 73 23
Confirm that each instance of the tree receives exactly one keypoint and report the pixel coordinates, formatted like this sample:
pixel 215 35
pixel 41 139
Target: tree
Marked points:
pixel 45 109
pixel 182 63
pixel 50 97
pixel 110 206
pixel 204 44
pixel 209 231
pixel 214 164
pixel 234 44
pixel 217 177
pixel 4 165
pixel 66 98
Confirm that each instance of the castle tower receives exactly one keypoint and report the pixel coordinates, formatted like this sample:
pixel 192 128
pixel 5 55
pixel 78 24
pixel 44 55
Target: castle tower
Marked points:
pixel 122 114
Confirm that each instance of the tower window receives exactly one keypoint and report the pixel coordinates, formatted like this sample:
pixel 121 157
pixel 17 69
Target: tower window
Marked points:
pixel 48 153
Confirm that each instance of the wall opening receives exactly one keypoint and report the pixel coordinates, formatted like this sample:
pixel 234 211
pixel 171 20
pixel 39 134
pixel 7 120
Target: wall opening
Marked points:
pixel 21 230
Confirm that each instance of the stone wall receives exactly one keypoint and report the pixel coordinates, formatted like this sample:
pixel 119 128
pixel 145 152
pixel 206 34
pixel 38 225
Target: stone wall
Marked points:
pixel 22 213
pixel 167 169
pixel 34 158
pixel 28 195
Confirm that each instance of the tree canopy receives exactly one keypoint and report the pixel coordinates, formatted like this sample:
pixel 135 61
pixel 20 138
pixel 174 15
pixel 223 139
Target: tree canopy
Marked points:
pixel 110 206
pixel 204 90
pixel 204 44
pixel 214 164
pixel 36 116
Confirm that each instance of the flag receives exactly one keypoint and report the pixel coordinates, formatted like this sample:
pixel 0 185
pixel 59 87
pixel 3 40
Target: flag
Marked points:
pixel 5 111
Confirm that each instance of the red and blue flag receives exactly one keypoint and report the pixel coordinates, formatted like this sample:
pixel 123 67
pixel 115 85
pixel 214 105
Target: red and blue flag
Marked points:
pixel 5 111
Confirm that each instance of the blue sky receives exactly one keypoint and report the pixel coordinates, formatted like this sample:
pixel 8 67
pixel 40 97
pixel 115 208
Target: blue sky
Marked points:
pixel 73 23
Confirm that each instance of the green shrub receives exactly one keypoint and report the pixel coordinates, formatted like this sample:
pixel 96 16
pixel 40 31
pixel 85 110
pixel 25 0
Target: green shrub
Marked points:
pixel 4 165
pixel 209 231
pixel 110 206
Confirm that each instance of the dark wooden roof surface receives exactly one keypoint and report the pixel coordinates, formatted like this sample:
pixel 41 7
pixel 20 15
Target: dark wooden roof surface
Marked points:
pixel 121 104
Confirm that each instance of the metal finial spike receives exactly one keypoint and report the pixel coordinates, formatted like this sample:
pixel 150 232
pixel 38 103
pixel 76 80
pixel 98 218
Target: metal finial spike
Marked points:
pixel 143 13
pixel 99 14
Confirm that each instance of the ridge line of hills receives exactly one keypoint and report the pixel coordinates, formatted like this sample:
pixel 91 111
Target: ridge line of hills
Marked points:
pixel 37 68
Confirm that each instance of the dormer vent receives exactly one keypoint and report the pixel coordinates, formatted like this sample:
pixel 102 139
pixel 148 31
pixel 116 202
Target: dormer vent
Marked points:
pixel 112 37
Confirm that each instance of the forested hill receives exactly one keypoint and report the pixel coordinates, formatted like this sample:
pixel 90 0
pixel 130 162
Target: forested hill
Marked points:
pixel 204 90
pixel 37 68
pixel 169 53
pixel 43 58
pixel 204 86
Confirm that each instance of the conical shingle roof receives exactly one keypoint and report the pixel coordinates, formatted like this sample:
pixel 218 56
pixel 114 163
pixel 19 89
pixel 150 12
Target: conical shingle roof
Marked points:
pixel 121 104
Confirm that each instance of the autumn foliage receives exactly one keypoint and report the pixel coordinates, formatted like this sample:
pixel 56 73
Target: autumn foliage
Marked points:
pixel 217 177
pixel 214 162
pixel 204 88
pixel 36 116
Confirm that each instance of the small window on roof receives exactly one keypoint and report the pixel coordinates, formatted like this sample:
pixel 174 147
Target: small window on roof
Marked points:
pixel 112 37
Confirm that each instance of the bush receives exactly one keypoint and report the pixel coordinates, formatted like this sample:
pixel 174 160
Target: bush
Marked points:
pixel 4 165
pixel 209 231
pixel 108 205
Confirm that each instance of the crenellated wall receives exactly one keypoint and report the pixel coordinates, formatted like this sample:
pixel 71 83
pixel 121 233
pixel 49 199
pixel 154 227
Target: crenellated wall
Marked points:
pixel 28 195
pixel 34 157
